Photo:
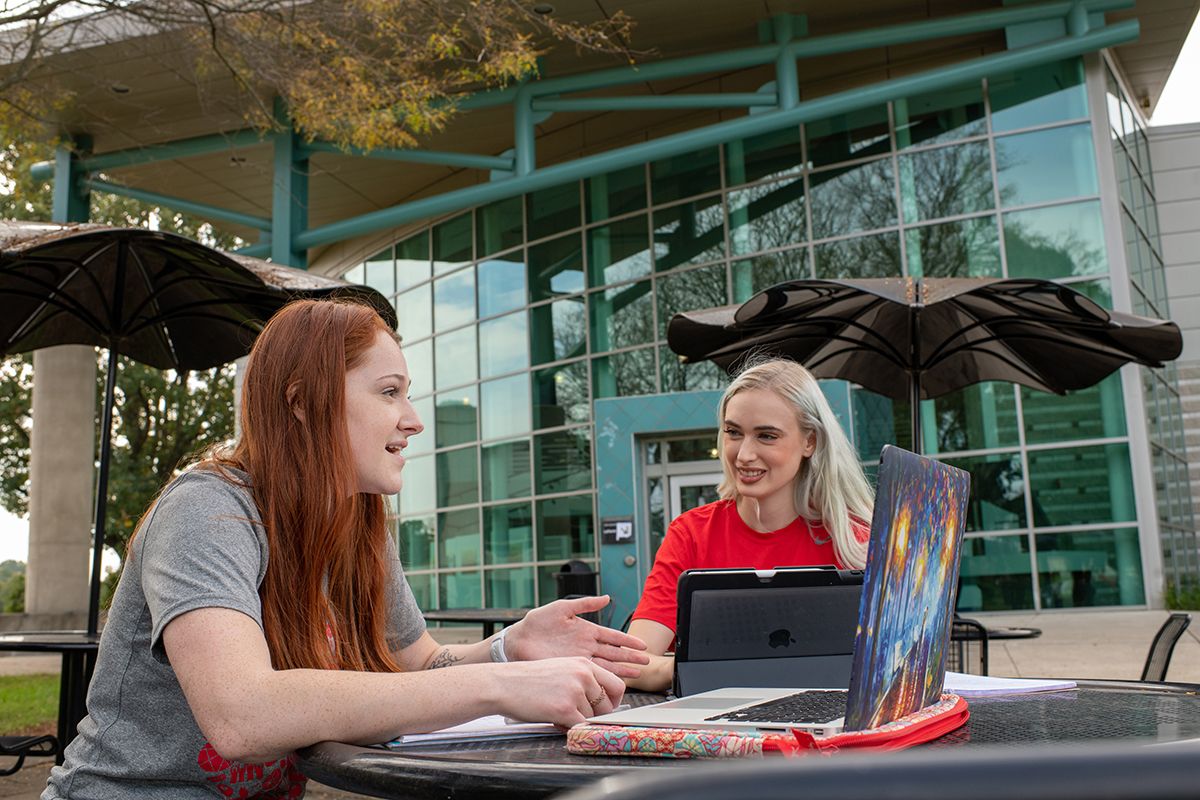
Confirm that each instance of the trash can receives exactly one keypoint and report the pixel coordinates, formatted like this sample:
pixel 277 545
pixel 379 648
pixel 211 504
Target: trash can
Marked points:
pixel 577 579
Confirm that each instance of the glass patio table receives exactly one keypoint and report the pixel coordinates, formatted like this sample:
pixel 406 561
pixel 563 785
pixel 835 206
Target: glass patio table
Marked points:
pixel 1097 711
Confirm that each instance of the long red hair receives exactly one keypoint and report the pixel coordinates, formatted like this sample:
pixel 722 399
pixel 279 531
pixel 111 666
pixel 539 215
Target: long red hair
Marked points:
pixel 329 559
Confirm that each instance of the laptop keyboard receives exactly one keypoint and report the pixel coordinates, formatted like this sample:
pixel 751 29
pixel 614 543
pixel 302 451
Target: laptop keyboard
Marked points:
pixel 802 707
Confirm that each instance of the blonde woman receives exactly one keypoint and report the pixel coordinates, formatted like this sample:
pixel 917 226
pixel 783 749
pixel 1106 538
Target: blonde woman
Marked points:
pixel 793 494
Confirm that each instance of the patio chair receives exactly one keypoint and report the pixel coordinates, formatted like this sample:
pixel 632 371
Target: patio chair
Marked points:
pixel 21 747
pixel 968 651
pixel 1159 657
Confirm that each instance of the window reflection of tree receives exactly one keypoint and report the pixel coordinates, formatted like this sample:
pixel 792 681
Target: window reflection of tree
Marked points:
pixel 767 217
pixel 689 233
pixel 1061 254
pixel 626 316
pixel 947 181
pixel 688 291
pixel 876 256
pixel 848 200
pixel 845 200
pixel 677 377
pixel 970 248
pixel 757 273
pixel 558 330
pixel 561 395
pixel 633 372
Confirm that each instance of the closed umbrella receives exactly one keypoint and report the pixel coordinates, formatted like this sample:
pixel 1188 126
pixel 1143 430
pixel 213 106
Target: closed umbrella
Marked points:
pixel 913 339
pixel 155 297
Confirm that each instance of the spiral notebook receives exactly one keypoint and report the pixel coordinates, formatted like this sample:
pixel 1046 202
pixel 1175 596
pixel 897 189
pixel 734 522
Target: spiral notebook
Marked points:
pixel 904 621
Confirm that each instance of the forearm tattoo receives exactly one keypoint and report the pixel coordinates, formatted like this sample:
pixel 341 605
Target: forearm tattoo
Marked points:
pixel 444 659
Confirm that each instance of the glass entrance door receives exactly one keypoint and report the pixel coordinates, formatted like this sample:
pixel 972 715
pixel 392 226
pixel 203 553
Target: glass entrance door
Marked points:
pixel 689 491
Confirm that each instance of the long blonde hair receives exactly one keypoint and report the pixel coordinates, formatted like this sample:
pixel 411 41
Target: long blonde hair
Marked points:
pixel 830 486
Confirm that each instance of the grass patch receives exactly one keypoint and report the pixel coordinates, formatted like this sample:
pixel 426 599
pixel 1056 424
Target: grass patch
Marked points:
pixel 1185 597
pixel 28 704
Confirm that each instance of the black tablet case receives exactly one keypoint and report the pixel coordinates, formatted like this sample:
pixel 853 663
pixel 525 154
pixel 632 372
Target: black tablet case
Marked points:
pixel 766 628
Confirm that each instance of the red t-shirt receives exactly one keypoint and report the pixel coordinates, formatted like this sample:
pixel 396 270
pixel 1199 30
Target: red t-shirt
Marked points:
pixel 714 536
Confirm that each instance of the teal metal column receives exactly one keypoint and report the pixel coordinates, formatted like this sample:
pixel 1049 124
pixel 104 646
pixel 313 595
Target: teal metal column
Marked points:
pixel 523 132
pixel 72 199
pixel 289 201
pixel 787 83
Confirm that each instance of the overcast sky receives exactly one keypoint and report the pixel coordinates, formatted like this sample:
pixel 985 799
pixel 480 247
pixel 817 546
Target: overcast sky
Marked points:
pixel 1174 108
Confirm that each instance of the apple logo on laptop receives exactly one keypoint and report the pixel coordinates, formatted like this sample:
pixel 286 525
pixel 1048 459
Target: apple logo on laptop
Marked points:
pixel 780 638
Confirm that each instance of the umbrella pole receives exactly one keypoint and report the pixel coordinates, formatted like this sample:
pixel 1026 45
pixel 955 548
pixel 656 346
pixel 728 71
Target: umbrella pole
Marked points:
pixel 914 373
pixel 110 386
pixel 914 383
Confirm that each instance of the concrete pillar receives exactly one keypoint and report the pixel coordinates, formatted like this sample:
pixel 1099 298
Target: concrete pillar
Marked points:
pixel 62 445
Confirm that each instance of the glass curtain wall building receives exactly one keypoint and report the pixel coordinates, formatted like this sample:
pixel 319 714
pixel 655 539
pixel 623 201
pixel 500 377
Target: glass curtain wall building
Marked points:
pixel 537 244
pixel 1148 296
pixel 517 315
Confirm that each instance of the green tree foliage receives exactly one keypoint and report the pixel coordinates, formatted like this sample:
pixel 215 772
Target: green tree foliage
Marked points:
pixel 12 587
pixel 360 73
pixel 16 383
pixel 163 418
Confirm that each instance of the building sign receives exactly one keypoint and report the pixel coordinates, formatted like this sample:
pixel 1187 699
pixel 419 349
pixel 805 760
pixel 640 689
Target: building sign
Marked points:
pixel 616 530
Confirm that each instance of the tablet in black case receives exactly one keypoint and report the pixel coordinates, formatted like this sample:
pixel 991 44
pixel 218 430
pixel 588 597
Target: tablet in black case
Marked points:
pixel 791 626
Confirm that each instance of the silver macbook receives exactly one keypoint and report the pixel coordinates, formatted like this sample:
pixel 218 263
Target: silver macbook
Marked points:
pixel 904 620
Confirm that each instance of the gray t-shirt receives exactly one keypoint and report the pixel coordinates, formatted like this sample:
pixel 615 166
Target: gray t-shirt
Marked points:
pixel 202 547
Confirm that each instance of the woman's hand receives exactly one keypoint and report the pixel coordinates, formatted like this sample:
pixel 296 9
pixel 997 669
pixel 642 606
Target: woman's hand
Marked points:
pixel 657 675
pixel 563 691
pixel 556 630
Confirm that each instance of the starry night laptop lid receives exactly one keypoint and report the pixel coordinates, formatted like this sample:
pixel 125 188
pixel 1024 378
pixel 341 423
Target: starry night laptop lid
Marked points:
pixel 909 588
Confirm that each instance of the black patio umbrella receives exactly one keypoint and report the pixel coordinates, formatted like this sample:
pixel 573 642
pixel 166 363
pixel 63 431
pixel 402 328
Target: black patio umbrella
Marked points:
pixel 155 297
pixel 912 339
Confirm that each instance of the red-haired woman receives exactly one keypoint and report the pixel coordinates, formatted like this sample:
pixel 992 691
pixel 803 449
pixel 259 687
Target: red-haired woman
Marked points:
pixel 263 606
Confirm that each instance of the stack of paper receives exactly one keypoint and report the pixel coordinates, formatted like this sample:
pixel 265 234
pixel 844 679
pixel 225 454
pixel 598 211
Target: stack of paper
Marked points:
pixel 479 730
pixel 985 686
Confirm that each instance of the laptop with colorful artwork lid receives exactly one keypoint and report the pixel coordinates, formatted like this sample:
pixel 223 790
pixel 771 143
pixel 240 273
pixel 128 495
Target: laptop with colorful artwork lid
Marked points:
pixel 904 620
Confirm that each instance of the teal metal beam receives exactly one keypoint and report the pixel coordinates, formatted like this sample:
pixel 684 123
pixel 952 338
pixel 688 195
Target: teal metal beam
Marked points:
pixel 257 250
pixel 743 127
pixel 289 194
pixel 657 101
pixel 43 170
pixel 962 25
pixel 441 158
pixel 891 35
pixel 71 201
pixel 184 148
pixel 179 204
